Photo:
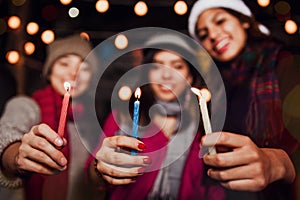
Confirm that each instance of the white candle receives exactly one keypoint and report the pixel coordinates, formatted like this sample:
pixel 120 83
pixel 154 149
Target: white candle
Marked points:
pixel 205 116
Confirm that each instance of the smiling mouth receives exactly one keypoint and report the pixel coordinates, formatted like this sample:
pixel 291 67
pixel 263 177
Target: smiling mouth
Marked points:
pixel 221 46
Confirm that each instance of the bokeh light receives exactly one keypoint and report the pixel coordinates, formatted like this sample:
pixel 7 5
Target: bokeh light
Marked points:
pixel 121 41
pixel 102 6
pixel 65 2
pixel 29 48
pixel 48 36
pixel 125 93
pixel 180 7
pixel 13 57
pixel 290 27
pixel 73 12
pixel 140 8
pixel 32 28
pixel 263 3
pixel 14 22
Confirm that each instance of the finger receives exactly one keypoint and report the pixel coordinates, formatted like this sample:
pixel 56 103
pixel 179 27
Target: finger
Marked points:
pixel 244 185
pixel 124 142
pixel 40 150
pixel 45 131
pixel 35 155
pixel 233 158
pixel 118 158
pixel 31 166
pixel 225 139
pixel 118 181
pixel 118 171
pixel 235 173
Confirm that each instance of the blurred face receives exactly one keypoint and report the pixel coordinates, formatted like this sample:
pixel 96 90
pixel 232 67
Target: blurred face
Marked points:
pixel 221 33
pixel 170 76
pixel 72 69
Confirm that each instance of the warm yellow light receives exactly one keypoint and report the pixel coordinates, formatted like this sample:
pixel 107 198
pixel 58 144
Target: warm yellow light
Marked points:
pixel 32 28
pixel 29 48
pixel 13 57
pixel 47 36
pixel 65 2
pixel 85 35
pixel 180 7
pixel 102 6
pixel 263 3
pixel 140 8
pixel 124 93
pixel 121 41
pixel 14 22
pixel 290 27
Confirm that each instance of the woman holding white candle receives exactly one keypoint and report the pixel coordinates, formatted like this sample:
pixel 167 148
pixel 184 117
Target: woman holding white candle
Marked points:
pixel 260 78
pixel 167 164
pixel 33 153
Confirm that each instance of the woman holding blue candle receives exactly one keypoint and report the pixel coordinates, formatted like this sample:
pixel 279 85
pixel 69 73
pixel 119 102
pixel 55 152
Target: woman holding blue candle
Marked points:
pixel 167 164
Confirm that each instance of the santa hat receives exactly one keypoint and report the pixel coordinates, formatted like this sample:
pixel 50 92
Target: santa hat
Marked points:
pixel 201 5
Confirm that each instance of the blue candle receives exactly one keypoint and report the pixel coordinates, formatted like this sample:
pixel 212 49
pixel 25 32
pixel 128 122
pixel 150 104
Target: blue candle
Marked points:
pixel 136 112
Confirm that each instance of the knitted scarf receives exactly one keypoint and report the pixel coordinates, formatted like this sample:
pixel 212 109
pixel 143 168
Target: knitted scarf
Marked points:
pixel 264 119
pixel 55 186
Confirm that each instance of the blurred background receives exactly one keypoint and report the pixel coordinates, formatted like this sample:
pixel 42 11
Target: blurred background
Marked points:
pixel 27 26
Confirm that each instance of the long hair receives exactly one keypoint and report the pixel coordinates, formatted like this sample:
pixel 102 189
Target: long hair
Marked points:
pixel 148 97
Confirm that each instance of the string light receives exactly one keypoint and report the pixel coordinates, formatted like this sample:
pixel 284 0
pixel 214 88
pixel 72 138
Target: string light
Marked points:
pixel 102 6
pixel 124 93
pixel 180 7
pixel 73 12
pixel 263 3
pixel 48 36
pixel 121 41
pixel 65 2
pixel 14 22
pixel 29 48
pixel 140 8
pixel 13 57
pixel 32 28
pixel 290 27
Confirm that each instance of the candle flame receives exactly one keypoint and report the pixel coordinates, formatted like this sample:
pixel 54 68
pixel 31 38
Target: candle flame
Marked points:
pixel 67 86
pixel 137 93
pixel 203 93
pixel 196 91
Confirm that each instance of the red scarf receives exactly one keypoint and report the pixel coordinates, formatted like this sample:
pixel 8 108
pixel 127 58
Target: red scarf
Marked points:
pixel 55 186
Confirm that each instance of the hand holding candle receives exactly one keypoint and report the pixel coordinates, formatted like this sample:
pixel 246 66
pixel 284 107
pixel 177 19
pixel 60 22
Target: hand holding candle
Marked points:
pixel 64 110
pixel 136 110
pixel 205 116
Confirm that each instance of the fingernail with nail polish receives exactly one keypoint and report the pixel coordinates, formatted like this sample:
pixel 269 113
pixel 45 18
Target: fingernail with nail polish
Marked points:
pixel 141 146
pixel 141 170
pixel 147 160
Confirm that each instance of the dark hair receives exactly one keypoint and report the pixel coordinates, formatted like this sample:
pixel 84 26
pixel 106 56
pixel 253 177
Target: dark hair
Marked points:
pixel 253 30
pixel 147 96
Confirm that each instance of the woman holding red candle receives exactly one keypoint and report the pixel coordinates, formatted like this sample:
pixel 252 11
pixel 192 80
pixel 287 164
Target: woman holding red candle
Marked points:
pixel 32 152
pixel 167 164
pixel 261 78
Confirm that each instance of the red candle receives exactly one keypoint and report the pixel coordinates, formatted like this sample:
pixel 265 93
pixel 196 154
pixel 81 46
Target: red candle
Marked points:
pixel 64 110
